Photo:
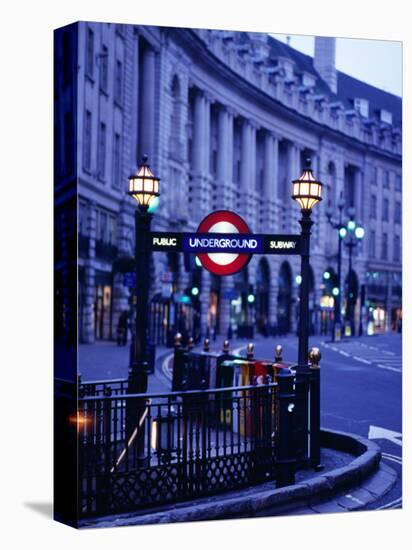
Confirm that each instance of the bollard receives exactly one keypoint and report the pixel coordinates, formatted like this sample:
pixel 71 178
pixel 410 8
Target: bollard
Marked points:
pixel 278 354
pixel 190 343
pixel 226 346
pixel 314 412
pixel 250 351
pixel 206 344
pixel 285 456
pixel 178 363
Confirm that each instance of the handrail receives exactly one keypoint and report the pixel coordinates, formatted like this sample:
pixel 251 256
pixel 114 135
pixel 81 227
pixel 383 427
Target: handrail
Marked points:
pixel 108 381
pixel 177 394
pixel 132 437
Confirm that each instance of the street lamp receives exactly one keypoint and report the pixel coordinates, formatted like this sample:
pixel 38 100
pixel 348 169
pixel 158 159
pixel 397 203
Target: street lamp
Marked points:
pixel 356 234
pixel 307 191
pixel 144 188
pixel 342 232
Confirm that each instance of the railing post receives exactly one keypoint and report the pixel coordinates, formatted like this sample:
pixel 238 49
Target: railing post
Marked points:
pixel 285 453
pixel 178 363
pixel 314 410
pixel 250 350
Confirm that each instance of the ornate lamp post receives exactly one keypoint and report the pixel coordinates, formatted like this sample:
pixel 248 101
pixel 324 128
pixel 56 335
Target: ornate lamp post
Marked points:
pixel 337 320
pixel 307 192
pixel 144 187
pixel 356 234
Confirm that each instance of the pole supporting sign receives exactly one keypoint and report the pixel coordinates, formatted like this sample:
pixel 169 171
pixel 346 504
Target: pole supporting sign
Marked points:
pixel 224 243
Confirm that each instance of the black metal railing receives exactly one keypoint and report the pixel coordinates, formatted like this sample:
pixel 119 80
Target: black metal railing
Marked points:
pixel 100 388
pixel 180 445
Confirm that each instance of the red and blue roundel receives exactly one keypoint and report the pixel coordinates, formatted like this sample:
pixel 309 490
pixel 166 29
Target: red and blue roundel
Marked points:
pixel 223 263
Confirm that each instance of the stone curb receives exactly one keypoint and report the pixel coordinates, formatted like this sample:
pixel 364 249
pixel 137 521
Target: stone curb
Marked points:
pixel 367 460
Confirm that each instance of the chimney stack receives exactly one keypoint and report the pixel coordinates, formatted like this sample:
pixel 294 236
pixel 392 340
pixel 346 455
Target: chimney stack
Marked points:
pixel 324 60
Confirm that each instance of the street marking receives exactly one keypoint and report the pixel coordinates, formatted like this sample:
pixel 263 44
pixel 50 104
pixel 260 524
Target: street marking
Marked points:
pixel 355 499
pixel 394 504
pixel 362 360
pixel 388 352
pixel 389 368
pixel 392 456
pixel 376 432
pixel 344 353
pixel 165 369
pixel 392 459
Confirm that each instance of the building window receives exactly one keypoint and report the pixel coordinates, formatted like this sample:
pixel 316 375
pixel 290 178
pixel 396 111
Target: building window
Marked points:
pixel 116 161
pixel 87 142
pixel 374 177
pixel 69 147
pixel 67 58
pixel 118 82
pixel 398 183
pixel 103 69
pixel 83 218
pixel 112 229
pixel 396 248
pixel 398 212
pixel 101 226
pixel 386 179
pixel 384 251
pixel 89 52
pixel 373 207
pixel 101 154
pixel 362 106
pixel 385 210
pixel 372 244
pixel 386 116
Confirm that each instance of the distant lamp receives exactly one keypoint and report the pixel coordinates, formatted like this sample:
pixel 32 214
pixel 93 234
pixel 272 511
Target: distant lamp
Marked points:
pixel 343 232
pixel 351 225
pixel 195 291
pixel 359 233
pixel 144 186
pixel 335 291
pixel 298 279
pixel 251 298
pixel 307 191
pixel 326 275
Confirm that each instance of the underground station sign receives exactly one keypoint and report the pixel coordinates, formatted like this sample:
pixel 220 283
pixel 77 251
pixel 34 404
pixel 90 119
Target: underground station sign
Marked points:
pixel 224 243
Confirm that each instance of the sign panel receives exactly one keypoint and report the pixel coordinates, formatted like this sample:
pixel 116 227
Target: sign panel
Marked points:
pixel 224 243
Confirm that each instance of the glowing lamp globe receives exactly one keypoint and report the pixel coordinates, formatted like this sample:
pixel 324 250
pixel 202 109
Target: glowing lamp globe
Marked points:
pixel 307 191
pixel 144 186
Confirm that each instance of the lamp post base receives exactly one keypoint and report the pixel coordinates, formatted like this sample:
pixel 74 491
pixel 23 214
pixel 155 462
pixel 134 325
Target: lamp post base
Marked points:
pixel 337 332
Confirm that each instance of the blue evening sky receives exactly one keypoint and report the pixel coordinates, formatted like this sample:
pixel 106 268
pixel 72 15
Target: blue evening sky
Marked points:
pixel 377 62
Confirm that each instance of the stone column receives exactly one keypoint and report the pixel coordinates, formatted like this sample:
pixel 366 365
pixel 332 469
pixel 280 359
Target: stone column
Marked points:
pixel 229 158
pixel 246 157
pixel 199 134
pixel 147 103
pixel 359 203
pixel 269 171
pixel 200 147
pixel 223 144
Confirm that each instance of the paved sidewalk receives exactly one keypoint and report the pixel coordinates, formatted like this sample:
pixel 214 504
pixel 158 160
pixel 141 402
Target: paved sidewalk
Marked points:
pixel 107 361
pixel 348 482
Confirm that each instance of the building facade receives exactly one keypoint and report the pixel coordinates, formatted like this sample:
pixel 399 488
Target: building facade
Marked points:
pixel 227 120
